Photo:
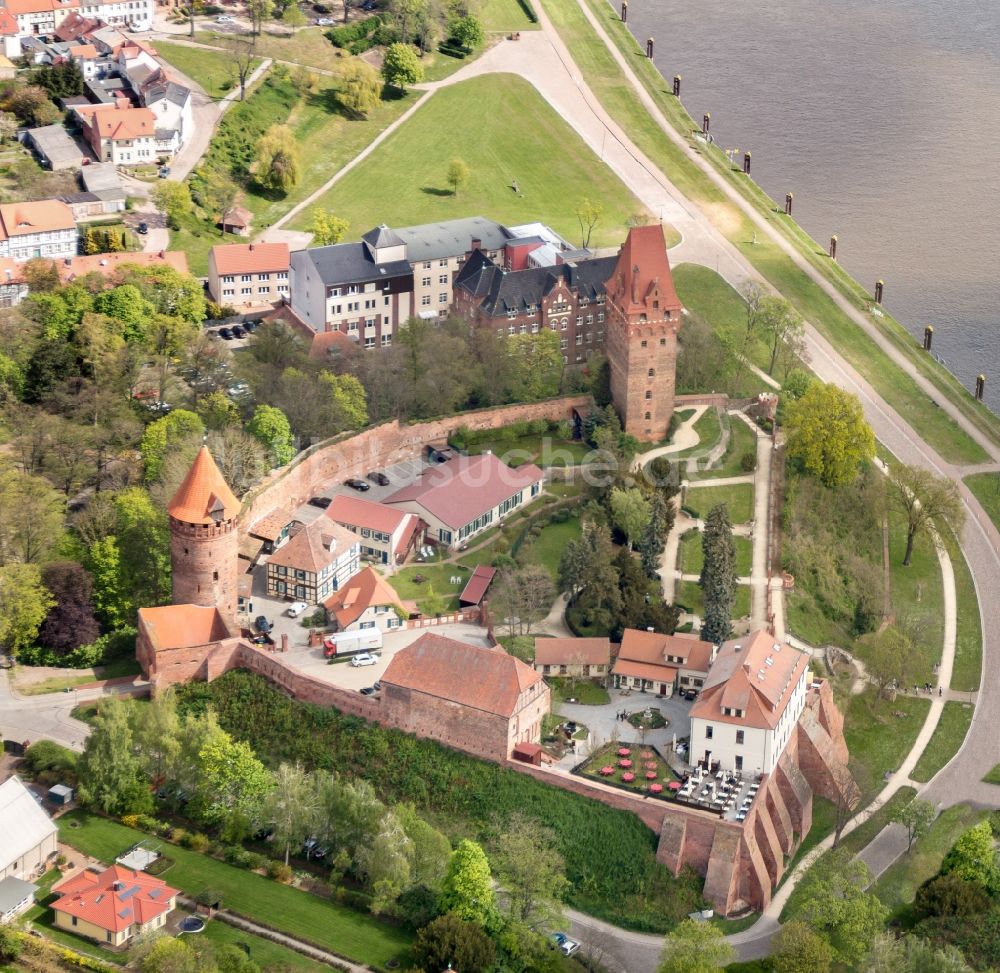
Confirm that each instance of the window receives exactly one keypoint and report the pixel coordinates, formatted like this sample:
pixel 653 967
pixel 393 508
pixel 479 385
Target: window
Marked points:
pixel 261 277
pixel 370 342
pixel 649 394
pixel 228 279
pixel 708 732
pixel 442 298
pixel 443 279
pixel 263 290
pixel 739 736
pixel 246 291
pixel 739 763
pixel 425 300
pixel 425 282
pixel 643 344
pixel 652 372
pixel 443 262
pixel 649 415
pixel 427 265
pixel 663 341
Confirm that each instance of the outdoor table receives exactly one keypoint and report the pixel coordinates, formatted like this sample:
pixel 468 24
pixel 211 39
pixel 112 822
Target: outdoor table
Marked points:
pixel 651 775
pixel 656 788
pixel 628 778
pixel 624 763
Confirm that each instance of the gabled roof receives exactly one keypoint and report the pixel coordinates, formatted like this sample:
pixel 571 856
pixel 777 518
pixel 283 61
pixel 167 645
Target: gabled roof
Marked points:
pixel 477 586
pixel 250 258
pixel 114 899
pixel 8 25
pixel 109 264
pixel 560 651
pixel 314 547
pixel 38 6
pixel 119 124
pixel 654 648
pixel 642 273
pixel 355 512
pixel 756 676
pixel 363 591
pixel 484 679
pixel 204 496
pixel 43 216
pixel 645 670
pixel 349 263
pixel 183 626
pixel 464 488
pixel 270 526
pixel 23 824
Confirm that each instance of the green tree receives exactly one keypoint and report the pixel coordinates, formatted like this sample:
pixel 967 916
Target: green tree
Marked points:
pixel 695 947
pixel 217 411
pixel 924 498
pixel 278 165
pixel 781 327
pixel 468 32
pixel 109 771
pixel 259 11
pixel 828 434
pixel 467 890
pixel 916 816
pixel 174 199
pixel 530 870
pixel 718 575
pixel 165 434
pixel 294 18
pixel 292 807
pixel 143 549
pixel 401 67
pixel 328 228
pixel 347 397
pixel 535 366
pixel 233 780
pixel 11 944
pixel 169 955
pixel 126 305
pixel 384 862
pixel 588 214
pixel 271 427
pixel 431 850
pixel 458 174
pixel 911 954
pixel 360 89
pixel 156 732
pixel 24 603
pixel 32 513
pixel 974 858
pixel 631 512
pixel 452 942
pixel 889 657
pixel 797 949
pixel 655 532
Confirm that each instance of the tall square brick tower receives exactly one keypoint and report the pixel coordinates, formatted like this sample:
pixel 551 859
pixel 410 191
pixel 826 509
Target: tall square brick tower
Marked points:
pixel 204 541
pixel 644 315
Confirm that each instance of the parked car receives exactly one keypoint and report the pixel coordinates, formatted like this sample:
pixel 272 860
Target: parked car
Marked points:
pixel 321 502
pixel 239 332
pixel 565 945
pixel 355 484
pixel 364 659
pixel 376 476
pixel 295 609
pixel 143 228
pixel 250 326
pixel 262 624
pixel 223 19
pixel 368 691
pixel 690 694
pixel 238 389
pixel 324 22
pixel 164 172
pixel 226 334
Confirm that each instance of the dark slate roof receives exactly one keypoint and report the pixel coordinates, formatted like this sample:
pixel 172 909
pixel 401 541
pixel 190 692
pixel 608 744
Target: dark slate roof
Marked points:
pixel 382 236
pixel 351 263
pixel 452 238
pixel 171 90
pixel 501 291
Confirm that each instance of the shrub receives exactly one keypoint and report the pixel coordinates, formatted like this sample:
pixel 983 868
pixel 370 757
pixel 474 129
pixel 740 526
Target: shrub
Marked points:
pixel 353 899
pixel 130 820
pixel 279 871
pixel 748 461
pixel 48 755
pixel 178 836
pixel 197 842
pixel 256 861
pixel 358 31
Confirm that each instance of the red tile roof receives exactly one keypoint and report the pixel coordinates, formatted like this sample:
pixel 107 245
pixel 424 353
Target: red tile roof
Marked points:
pixel 466 487
pixel 182 626
pixel 43 216
pixel 38 6
pixel 309 549
pixel 115 123
pixel 270 526
pixel 250 258
pixel 472 593
pixel 204 496
pixel 559 652
pixel 325 343
pixel 109 263
pixel 488 680
pixel 355 512
pixel 643 271
pixel 645 670
pixel 114 899
pixel 8 25
pixel 361 592
pixel 654 648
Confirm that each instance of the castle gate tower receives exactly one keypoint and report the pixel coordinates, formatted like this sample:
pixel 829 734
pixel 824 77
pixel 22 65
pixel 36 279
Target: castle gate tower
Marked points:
pixel 644 315
pixel 204 541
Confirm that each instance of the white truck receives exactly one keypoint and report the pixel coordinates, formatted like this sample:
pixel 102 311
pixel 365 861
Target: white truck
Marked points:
pixel 350 643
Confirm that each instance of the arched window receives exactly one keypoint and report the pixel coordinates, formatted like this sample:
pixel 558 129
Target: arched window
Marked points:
pixel 649 395
pixel 649 415
pixel 652 372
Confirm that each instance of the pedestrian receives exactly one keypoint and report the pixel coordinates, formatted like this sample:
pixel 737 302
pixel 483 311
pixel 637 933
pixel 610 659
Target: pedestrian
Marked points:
pixel 940 690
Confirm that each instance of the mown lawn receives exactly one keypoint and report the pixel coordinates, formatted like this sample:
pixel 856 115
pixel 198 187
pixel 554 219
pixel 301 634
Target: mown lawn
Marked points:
pixel 876 737
pixel 993 777
pixel 435 583
pixel 739 497
pixel 352 934
pixel 582 691
pixel 947 738
pixel 693 557
pixel 308 46
pixel 545 450
pixel 967 670
pixel 708 429
pixel 210 69
pixel 504 131
pixel 741 441
pixel 113 670
pixel 986 489
pixel 266 954
pixel 689 594
pixel 547 548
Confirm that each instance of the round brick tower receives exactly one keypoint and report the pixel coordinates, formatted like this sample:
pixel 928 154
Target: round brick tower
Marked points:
pixel 204 541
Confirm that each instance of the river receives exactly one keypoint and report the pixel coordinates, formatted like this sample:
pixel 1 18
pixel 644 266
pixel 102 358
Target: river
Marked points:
pixel 883 119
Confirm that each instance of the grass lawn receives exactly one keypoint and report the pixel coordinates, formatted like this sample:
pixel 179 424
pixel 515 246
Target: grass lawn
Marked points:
pixel 544 450
pixel 708 429
pixel 210 69
pixel 607 756
pixel 616 94
pixel 877 739
pixel 583 691
pixel 968 665
pixel 986 488
pixel 693 557
pixel 700 499
pixel 435 576
pixel 520 646
pixel 993 777
pixel 898 885
pixel 120 667
pixel 547 548
pixel 354 935
pixel 553 167
pixel 947 738
pixel 741 441
pixel 266 954
pixel 308 46
pixel 503 16
pixel 689 595
pixel 807 622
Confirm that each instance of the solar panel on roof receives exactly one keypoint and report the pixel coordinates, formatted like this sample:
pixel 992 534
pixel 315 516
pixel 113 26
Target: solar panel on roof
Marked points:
pixel 124 914
pixel 128 893
pixel 155 893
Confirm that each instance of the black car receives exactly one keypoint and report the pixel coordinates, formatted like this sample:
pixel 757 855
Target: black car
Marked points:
pixel 238 332
pixel 143 228
pixel 369 5
pixel 368 691
pixel 380 478
pixel 249 326
pixel 226 334
pixel 321 502
pixel 690 694
pixel 355 484
pixel 262 624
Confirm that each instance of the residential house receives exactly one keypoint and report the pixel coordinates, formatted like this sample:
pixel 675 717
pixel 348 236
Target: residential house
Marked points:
pixel 29 836
pixel 387 533
pixel 10 35
pixel 367 601
pixel 652 662
pixel 170 102
pixel 482 701
pixel 754 694
pixel 55 147
pixel 248 273
pixel 39 17
pixel 16 896
pixel 113 906
pixel 45 228
pixel 467 494
pixel 108 264
pixel 13 286
pixel 272 530
pixel 124 136
pixel 237 219
pixel 585 657
pixel 316 562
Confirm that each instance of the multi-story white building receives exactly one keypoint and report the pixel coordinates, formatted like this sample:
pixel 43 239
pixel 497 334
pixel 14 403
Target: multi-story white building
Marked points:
pixel 248 273
pixel 45 228
pixel 387 533
pixel 124 136
pixel 315 563
pixel 751 702
pixel 41 17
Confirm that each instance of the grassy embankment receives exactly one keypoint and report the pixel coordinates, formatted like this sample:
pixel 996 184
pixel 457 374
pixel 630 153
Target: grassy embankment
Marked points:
pixel 210 69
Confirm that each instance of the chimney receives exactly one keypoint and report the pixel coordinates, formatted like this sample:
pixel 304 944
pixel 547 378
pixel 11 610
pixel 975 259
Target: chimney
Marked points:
pixel 284 641
pixel 251 248
pixel 477 244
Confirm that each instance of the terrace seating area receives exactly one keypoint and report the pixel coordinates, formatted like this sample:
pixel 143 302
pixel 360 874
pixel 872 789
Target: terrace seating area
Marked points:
pixel 730 795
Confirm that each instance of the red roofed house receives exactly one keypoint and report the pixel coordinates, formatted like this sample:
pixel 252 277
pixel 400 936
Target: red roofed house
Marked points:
pixel 108 264
pixel 124 136
pixel 113 906
pixel 750 705
pixel 45 228
pixel 248 273
pixel 467 494
pixel 368 601
pixel 387 533
pixel 10 35
pixel 482 701
pixel 316 562
pixel 573 657
pixel 649 661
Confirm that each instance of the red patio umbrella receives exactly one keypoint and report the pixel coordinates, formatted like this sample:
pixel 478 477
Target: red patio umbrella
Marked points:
pixel 624 763
pixel 675 785
pixel 651 765
pixel 628 778
pixel 624 752
pixel 656 788
pixel 607 771
pixel 651 775
pixel 647 754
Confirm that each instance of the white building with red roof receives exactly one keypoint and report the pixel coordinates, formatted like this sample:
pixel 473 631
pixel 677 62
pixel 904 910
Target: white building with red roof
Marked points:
pixel 10 35
pixel 315 563
pixel 387 534
pixel 368 601
pixel 248 273
pixel 113 906
pixel 468 494
pixel 124 136
pixel 586 657
pixel 44 228
pixel 751 702
pixel 653 662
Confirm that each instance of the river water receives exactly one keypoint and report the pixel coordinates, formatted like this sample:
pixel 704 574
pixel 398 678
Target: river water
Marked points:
pixel 883 118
